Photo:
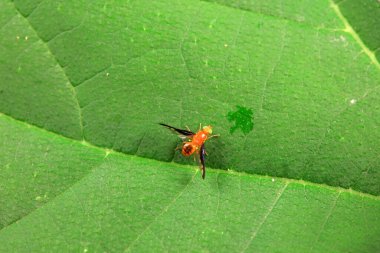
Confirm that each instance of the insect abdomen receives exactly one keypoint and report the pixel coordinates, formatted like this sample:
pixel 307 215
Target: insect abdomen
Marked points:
pixel 188 149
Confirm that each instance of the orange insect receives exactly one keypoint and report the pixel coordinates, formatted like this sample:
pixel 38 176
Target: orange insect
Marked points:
pixel 194 142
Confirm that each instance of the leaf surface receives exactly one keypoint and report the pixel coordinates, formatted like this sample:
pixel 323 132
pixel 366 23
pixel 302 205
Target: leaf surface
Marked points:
pixel 292 88
pixel 119 202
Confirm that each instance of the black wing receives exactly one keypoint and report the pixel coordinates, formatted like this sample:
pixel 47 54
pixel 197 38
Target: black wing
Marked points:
pixel 183 132
pixel 202 155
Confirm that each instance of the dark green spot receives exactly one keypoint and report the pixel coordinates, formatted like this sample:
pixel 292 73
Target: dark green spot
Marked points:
pixel 243 119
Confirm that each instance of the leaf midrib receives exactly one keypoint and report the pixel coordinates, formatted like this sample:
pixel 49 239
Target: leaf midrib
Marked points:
pixel 108 151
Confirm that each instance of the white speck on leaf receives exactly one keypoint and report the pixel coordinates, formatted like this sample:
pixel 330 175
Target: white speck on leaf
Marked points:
pixel 353 101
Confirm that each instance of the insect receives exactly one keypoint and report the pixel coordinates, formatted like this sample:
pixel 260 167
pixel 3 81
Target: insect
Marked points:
pixel 194 142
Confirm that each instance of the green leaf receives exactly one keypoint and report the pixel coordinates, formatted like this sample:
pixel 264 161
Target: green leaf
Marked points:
pixel 292 88
pixel 63 195
pixel 364 18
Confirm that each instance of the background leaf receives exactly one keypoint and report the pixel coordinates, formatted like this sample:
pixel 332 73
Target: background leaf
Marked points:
pixel 99 76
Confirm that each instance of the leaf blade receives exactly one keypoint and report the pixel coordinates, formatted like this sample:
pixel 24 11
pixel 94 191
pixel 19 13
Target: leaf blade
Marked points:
pixel 108 209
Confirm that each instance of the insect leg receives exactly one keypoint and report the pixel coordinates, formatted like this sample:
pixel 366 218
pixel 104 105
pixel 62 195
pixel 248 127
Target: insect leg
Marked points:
pixel 202 158
pixel 213 136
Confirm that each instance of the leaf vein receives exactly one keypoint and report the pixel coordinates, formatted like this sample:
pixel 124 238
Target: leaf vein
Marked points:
pixel 70 85
pixel 55 197
pixel 325 221
pixel 164 210
pixel 352 32
pixel 256 231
